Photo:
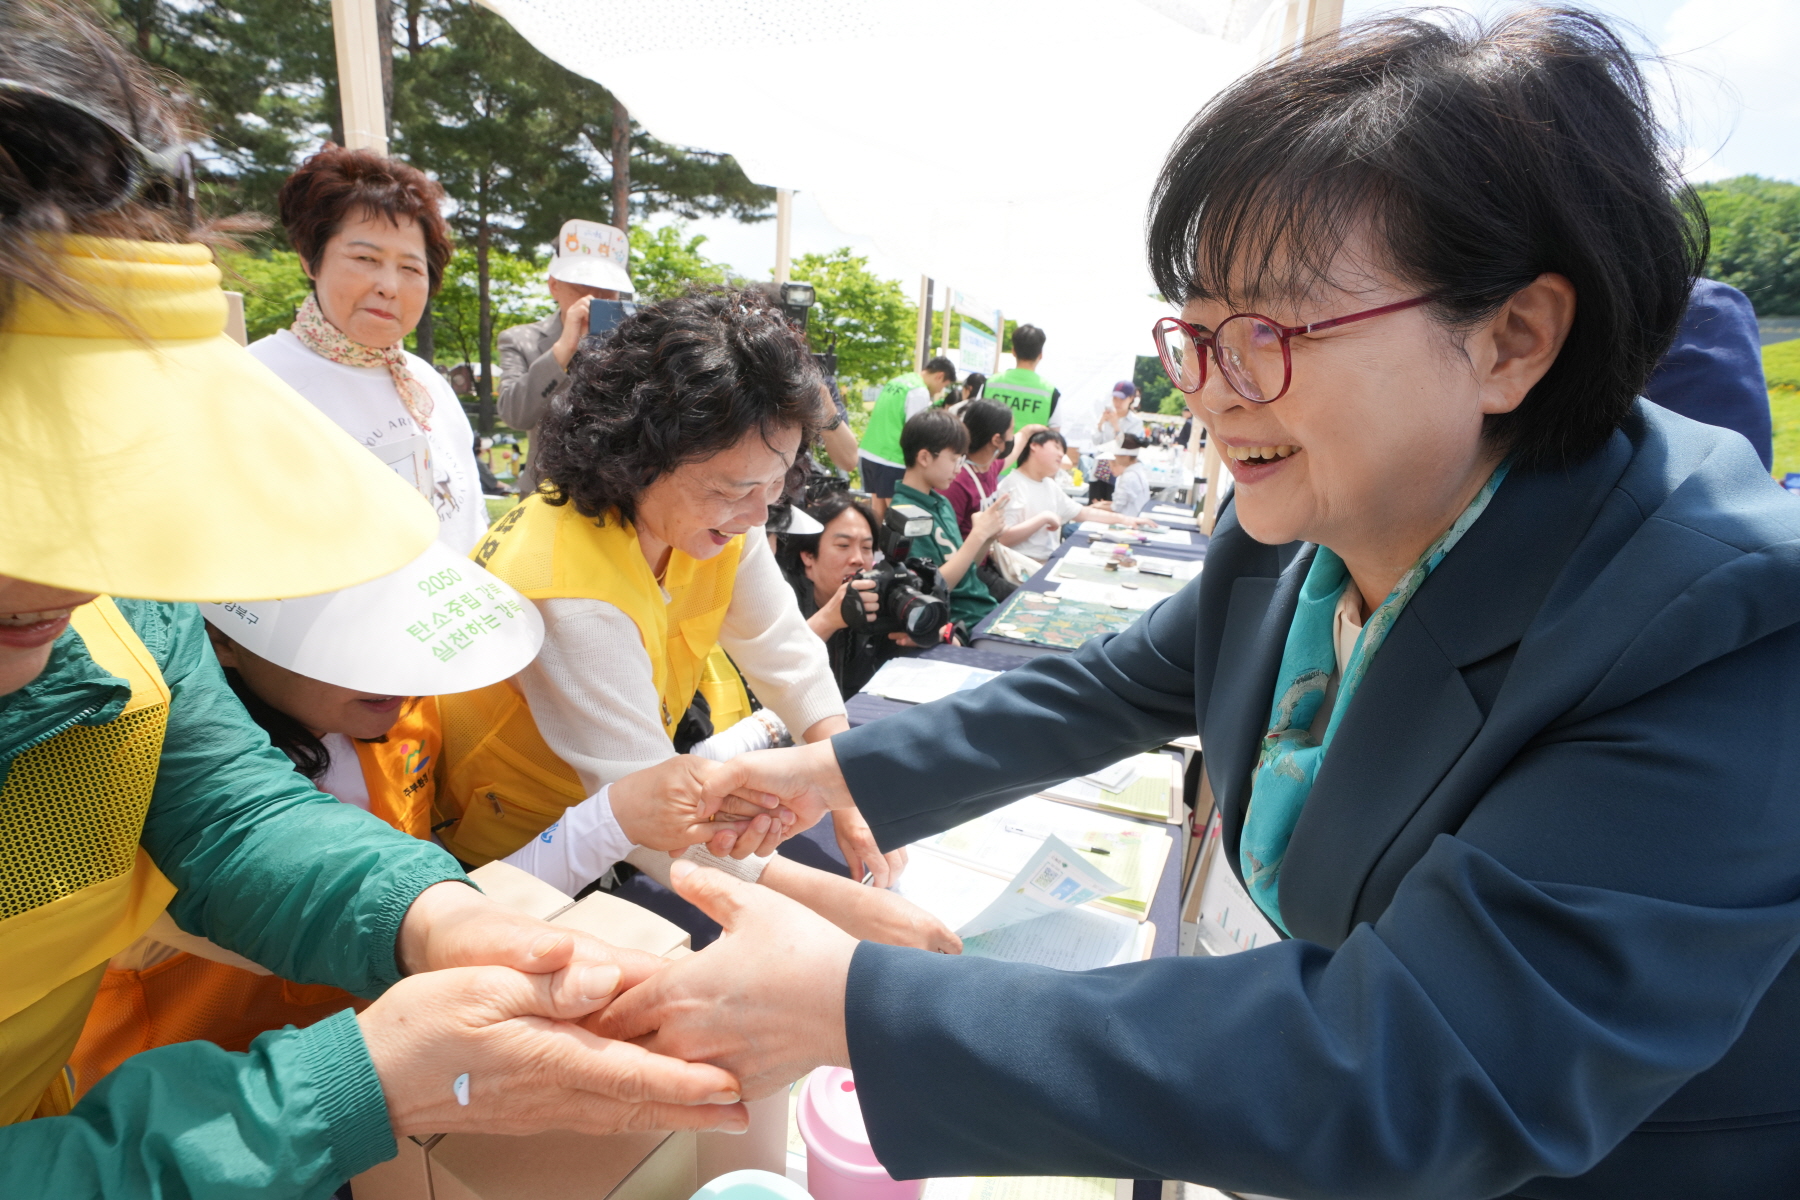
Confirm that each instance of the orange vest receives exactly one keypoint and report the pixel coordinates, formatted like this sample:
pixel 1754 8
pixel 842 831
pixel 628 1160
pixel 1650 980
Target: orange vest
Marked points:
pixel 167 995
pixel 501 784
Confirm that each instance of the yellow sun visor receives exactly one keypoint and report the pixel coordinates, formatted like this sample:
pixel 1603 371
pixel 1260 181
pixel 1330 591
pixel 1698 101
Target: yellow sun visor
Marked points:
pixel 163 462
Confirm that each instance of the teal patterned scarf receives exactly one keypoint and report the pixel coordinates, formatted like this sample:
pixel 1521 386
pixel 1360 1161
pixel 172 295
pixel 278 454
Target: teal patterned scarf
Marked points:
pixel 1290 758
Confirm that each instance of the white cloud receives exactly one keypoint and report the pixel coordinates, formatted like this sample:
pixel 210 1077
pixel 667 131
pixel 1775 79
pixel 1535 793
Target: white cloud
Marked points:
pixel 1735 74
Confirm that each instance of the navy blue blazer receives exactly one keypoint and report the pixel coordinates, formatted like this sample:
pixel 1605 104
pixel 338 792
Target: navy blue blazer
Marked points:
pixel 1545 892
pixel 1713 372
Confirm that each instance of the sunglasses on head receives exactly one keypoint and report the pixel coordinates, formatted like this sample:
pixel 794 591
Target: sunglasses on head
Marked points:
pixel 121 170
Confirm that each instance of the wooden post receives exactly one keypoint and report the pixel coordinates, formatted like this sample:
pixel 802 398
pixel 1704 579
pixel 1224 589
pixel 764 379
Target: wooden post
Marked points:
pixel 1323 17
pixel 1214 469
pixel 784 234
pixel 484 327
pixel 621 165
pixel 922 342
pixel 358 34
pixel 1290 30
pixel 949 319
pixel 999 336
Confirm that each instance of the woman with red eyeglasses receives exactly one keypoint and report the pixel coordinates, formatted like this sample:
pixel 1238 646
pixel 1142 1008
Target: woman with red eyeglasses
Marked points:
pixel 1492 663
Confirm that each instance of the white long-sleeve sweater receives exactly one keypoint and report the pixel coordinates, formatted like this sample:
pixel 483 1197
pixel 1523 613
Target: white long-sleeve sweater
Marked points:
pixel 594 699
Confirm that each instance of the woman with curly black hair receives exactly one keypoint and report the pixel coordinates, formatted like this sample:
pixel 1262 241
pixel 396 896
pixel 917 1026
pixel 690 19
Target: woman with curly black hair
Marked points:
pixel 644 552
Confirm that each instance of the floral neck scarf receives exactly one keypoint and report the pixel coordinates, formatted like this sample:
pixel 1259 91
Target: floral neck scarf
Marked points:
pixel 328 341
pixel 1290 758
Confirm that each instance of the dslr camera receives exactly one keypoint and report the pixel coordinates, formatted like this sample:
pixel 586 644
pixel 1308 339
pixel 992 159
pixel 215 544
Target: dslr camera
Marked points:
pixel 910 598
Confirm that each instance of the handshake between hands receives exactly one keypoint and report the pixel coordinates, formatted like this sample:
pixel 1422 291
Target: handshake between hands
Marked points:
pixel 506 1024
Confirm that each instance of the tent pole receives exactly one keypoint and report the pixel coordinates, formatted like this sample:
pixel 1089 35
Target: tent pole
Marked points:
pixel 922 342
pixel 949 319
pixel 358 36
pixel 784 233
pixel 1323 17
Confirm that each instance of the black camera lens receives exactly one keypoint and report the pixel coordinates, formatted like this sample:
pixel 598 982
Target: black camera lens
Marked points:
pixel 920 615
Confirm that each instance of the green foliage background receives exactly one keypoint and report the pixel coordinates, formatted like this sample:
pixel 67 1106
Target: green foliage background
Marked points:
pixel 1156 393
pixel 871 318
pixel 274 288
pixel 667 261
pixel 516 293
pixel 1756 240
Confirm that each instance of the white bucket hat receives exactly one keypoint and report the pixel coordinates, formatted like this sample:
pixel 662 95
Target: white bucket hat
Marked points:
pixel 439 625
pixel 593 255
pixel 1115 450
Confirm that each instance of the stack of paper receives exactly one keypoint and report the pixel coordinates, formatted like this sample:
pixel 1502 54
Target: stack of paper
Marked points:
pixel 922 680
pixel 1002 842
pixel 1146 785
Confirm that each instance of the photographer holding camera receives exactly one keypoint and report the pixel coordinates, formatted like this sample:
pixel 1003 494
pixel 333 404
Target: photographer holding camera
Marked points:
pixel 588 262
pixel 823 570
pixel 933 443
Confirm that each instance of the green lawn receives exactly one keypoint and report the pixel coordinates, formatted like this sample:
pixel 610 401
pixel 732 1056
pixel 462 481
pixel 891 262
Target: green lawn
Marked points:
pixel 1781 366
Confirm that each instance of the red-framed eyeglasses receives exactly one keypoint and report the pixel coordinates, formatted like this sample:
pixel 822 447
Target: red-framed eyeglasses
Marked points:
pixel 1251 350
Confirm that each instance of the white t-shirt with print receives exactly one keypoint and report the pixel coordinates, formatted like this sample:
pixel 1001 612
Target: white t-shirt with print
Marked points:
pixel 363 402
pixel 1025 498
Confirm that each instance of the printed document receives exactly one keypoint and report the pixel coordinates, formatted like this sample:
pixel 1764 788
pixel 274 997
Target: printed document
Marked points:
pixel 1033 918
pixel 922 680
pixel 1002 842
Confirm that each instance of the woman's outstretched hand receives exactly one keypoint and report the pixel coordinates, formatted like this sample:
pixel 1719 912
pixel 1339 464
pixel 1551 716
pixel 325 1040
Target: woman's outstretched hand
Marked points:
pixel 862 854
pixel 804 780
pixel 494 994
pixel 764 1002
pixel 677 803
pixel 494 1050
pixel 878 915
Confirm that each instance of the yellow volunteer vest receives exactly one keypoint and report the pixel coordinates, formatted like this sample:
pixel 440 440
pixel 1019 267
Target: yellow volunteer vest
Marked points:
pixel 500 783
pixel 186 998
pixel 75 886
pixel 727 699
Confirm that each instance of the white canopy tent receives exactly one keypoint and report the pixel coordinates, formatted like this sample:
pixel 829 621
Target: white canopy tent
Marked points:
pixel 1006 146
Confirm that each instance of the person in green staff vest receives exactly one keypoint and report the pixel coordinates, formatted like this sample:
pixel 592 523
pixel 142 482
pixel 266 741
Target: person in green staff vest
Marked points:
pixel 906 396
pixel 1022 389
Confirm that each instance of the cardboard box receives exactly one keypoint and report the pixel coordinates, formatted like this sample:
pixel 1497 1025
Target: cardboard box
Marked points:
pixel 518 890
pixel 621 923
pixel 406 1176
pixel 556 1165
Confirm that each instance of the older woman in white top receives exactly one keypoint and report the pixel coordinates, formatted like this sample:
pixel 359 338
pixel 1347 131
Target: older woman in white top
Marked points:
pixel 643 551
pixel 371 239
